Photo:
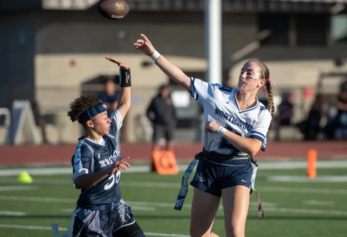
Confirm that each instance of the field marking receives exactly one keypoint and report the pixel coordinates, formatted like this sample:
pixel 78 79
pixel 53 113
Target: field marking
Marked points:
pixel 61 170
pixel 264 165
pixel 301 190
pixel 302 179
pixel 136 208
pixel 12 213
pixel 68 210
pixel 306 211
pixel 27 227
pixel 319 203
pixel 37 199
pixel 16 188
pixel 150 184
pixel 164 234
pixel 135 205
pixel 300 164
pixel 68 170
pixel 142 208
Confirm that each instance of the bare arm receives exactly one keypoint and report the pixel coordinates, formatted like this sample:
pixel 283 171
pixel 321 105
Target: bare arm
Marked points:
pixel 173 72
pixel 124 100
pixel 250 146
pixel 89 180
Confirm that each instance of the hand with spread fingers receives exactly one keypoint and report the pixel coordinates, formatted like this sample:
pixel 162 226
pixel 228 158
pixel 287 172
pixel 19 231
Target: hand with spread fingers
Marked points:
pixel 120 63
pixel 119 166
pixel 144 45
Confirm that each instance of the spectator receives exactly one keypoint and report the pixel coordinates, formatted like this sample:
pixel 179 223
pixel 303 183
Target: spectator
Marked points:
pixel 110 96
pixel 285 112
pixel 339 126
pixel 312 124
pixel 161 112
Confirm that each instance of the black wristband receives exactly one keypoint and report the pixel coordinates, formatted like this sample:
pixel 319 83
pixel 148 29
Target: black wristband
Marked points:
pixel 124 78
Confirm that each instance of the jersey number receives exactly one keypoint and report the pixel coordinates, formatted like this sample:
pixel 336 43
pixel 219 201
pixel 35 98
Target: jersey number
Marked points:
pixel 224 144
pixel 113 179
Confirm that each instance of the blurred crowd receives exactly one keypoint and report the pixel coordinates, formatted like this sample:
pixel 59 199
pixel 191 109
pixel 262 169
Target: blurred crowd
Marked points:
pixel 324 121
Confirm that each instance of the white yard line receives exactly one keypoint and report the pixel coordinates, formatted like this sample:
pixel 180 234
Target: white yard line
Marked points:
pixel 166 235
pixel 302 190
pixel 306 211
pixel 133 207
pixel 319 203
pixel 12 213
pixel 300 164
pixel 37 199
pixel 28 227
pixel 16 188
pixel 62 170
pixel 156 204
pixel 304 179
pixel 263 165
pixel 142 208
pixel 150 184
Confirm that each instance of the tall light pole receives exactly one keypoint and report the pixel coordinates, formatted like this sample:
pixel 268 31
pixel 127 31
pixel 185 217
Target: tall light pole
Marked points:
pixel 213 37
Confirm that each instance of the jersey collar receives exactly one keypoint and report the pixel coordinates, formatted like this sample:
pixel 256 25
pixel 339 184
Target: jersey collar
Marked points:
pixel 246 110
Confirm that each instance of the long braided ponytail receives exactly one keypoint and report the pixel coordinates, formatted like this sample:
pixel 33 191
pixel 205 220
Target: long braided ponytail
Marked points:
pixel 268 85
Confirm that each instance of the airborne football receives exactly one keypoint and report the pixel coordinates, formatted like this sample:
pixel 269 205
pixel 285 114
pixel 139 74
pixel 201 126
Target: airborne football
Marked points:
pixel 113 9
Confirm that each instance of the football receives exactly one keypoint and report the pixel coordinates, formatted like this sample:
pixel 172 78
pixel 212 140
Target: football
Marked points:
pixel 113 9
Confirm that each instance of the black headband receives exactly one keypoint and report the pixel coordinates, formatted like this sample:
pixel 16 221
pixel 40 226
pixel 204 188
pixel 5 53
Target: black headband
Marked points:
pixel 91 112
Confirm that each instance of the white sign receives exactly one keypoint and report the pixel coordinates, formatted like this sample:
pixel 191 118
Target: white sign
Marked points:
pixel 180 98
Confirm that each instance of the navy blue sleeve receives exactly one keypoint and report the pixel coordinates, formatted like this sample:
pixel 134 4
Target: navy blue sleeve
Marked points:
pixel 81 161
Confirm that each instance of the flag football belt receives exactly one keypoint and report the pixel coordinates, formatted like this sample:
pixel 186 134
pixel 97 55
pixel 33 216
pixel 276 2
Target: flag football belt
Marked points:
pixel 184 185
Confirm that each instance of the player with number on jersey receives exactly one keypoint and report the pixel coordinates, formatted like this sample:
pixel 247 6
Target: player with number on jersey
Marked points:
pixel 236 125
pixel 97 166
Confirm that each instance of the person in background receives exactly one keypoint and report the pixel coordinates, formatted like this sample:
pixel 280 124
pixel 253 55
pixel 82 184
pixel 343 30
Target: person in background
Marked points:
pixel 161 112
pixel 109 96
pixel 312 125
pixel 337 126
pixel 285 112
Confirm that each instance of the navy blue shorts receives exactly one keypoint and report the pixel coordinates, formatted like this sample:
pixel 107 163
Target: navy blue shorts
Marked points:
pixel 92 223
pixel 214 174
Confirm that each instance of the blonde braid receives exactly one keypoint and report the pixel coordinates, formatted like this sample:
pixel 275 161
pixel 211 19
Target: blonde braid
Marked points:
pixel 270 106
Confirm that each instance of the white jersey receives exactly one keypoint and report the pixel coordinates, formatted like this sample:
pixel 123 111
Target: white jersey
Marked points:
pixel 220 105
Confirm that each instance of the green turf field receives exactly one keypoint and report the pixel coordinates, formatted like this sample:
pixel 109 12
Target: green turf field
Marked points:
pixel 301 208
